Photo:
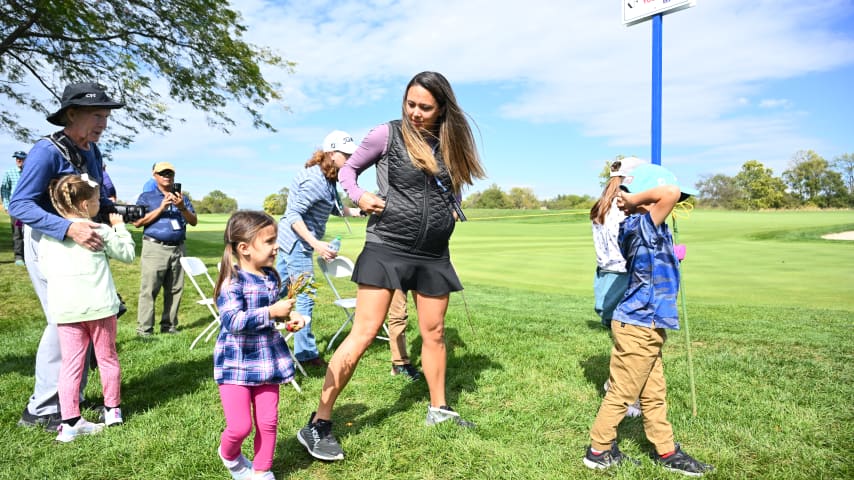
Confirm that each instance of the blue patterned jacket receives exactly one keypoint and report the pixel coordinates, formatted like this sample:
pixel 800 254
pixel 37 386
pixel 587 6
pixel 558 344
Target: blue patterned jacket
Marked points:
pixel 650 299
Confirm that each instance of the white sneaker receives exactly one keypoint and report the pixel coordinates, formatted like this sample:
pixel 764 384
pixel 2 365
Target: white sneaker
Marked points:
pixel 436 415
pixel 68 433
pixel 634 409
pixel 113 416
pixel 268 475
pixel 240 468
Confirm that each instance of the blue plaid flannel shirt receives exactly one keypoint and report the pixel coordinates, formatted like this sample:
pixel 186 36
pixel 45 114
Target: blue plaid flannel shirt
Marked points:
pixel 249 350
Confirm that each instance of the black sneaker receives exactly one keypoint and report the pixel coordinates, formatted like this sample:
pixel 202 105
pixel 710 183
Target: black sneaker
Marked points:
pixel 681 462
pixel 317 438
pixel 607 459
pixel 50 422
pixel 407 370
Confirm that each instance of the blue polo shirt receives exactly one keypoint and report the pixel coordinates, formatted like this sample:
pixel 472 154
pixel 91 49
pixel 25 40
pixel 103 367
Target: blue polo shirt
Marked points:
pixel 162 229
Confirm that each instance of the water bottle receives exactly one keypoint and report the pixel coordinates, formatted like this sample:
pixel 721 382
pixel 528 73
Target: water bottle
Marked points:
pixel 335 244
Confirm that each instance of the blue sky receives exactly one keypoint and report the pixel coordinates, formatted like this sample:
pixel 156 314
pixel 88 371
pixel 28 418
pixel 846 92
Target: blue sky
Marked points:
pixel 556 89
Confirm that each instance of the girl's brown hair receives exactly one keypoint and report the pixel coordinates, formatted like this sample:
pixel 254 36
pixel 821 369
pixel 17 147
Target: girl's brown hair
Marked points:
pixel 612 189
pixel 454 134
pixel 242 226
pixel 328 167
pixel 68 192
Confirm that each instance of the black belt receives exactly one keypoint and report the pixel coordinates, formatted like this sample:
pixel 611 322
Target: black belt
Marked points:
pixel 160 242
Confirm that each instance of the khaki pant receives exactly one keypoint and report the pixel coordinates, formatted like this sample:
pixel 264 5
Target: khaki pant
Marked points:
pixel 636 373
pixel 397 328
pixel 160 268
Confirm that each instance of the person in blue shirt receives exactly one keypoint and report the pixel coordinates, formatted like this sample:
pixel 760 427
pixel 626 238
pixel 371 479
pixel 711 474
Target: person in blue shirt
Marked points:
pixel 108 186
pixel 639 324
pixel 7 188
pixel 83 114
pixel 165 229
pixel 313 196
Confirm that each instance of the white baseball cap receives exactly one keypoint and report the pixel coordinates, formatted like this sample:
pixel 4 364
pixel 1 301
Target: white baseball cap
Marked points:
pixel 626 166
pixel 339 141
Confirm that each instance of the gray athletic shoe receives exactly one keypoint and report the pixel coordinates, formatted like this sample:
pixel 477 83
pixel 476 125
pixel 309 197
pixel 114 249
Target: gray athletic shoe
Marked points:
pixel 679 461
pixel 445 413
pixel 317 438
pixel 607 459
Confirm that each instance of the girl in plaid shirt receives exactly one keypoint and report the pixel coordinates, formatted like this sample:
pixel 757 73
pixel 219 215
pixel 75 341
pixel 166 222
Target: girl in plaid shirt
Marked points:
pixel 251 358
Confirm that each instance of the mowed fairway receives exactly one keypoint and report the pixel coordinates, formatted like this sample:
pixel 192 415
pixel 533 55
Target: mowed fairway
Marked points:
pixel 771 312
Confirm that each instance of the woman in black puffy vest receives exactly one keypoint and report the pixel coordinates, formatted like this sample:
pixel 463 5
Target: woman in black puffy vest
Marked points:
pixel 422 162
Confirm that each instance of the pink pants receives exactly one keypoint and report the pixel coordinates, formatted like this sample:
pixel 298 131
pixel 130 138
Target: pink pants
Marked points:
pixel 237 403
pixel 74 341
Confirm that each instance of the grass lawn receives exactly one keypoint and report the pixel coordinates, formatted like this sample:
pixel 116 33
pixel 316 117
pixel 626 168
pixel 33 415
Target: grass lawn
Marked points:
pixel 771 311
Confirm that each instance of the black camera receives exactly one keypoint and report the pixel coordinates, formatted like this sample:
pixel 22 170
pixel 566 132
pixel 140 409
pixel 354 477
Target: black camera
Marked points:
pixel 131 213
pixel 176 188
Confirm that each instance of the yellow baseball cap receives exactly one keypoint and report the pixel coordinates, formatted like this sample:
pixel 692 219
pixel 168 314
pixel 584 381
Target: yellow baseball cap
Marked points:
pixel 163 166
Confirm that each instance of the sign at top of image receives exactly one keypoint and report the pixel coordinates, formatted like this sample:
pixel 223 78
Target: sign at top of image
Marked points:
pixel 636 11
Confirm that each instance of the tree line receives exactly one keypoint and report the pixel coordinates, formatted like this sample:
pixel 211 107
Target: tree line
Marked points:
pixel 810 181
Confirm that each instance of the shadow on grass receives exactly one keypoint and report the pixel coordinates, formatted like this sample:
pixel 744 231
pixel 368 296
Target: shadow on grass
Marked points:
pixel 596 371
pixel 161 384
pixel 21 364
pixel 462 374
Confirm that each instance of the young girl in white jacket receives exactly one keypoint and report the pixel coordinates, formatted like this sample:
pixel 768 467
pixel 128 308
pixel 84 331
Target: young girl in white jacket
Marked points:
pixel 83 302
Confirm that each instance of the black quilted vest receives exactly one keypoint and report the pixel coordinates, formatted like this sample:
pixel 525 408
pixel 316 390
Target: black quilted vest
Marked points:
pixel 417 217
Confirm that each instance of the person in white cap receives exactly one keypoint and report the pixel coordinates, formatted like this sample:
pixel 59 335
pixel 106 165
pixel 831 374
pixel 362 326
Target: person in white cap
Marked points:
pixel 611 278
pixel 312 197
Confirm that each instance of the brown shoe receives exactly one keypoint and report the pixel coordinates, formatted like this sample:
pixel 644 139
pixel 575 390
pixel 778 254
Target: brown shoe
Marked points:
pixel 315 362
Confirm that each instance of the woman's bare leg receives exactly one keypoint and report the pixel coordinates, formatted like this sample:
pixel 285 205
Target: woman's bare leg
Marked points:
pixel 371 308
pixel 431 322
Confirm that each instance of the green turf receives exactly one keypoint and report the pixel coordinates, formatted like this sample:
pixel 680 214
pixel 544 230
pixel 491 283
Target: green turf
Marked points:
pixel 771 312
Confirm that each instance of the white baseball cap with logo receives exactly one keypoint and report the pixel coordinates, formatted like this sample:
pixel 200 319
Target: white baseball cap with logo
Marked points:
pixel 339 141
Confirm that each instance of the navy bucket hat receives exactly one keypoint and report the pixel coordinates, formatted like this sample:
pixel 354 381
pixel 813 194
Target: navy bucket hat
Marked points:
pixel 85 94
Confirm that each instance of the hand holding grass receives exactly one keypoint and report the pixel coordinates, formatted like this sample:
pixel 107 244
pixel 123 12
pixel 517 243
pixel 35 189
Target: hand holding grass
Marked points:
pixel 302 283
pixel 282 308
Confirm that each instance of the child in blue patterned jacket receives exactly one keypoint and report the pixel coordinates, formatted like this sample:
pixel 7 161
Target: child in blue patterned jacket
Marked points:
pixel 251 358
pixel 639 322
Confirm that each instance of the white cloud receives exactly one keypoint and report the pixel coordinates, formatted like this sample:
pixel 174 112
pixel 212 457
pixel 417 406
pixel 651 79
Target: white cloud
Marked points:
pixel 543 62
pixel 774 103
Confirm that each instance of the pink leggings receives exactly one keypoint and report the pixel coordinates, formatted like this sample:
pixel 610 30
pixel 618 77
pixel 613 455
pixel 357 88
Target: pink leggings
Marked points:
pixel 237 403
pixel 74 341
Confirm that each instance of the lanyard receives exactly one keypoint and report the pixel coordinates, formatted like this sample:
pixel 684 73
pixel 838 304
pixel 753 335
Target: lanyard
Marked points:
pixel 454 204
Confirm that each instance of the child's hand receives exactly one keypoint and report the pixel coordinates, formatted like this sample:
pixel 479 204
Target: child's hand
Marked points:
pixel 282 308
pixel 625 202
pixel 116 219
pixel 296 322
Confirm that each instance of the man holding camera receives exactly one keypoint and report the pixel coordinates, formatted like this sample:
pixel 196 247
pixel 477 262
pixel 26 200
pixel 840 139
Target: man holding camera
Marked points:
pixel 162 248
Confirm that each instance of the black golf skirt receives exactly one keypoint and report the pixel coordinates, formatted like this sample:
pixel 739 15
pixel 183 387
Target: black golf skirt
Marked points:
pixel 381 266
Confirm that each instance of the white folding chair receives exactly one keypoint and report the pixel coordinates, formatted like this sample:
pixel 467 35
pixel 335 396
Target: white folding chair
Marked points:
pixel 194 267
pixel 338 267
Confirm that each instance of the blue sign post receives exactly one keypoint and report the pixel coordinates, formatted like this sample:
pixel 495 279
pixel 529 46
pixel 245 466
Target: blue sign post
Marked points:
pixel 637 11
pixel 655 157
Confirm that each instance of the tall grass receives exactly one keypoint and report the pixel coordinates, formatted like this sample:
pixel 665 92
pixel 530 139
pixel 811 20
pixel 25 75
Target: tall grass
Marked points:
pixel 771 311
